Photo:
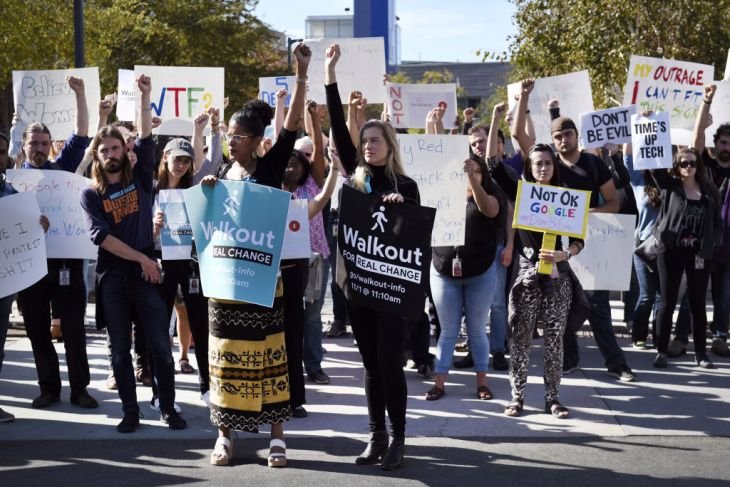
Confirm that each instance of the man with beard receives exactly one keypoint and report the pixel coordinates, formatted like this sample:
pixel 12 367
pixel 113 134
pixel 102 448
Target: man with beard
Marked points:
pixel 581 170
pixel 118 210
pixel 64 283
pixel 719 170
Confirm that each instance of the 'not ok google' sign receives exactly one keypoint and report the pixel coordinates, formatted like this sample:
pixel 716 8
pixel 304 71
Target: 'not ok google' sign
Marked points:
pixel 551 209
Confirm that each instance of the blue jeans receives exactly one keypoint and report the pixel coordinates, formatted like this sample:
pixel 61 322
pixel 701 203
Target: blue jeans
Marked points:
pixel 602 329
pixel 721 297
pixel 6 305
pixel 472 295
pixel 645 304
pixel 312 347
pixel 119 293
pixel 498 313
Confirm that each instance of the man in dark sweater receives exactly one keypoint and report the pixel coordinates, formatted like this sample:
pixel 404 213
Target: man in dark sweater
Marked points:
pixel 581 170
pixel 118 210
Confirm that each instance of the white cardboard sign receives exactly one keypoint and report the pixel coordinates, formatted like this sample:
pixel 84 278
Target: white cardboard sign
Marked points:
pixel 126 95
pixel 573 90
pixel 651 141
pixel 408 104
pixel 45 97
pixel 606 126
pixel 668 85
pixel 181 93
pixel 296 238
pixel 436 163
pixel 605 262
pixel 720 111
pixel 22 244
pixel 58 194
pixel 270 85
pixel 361 67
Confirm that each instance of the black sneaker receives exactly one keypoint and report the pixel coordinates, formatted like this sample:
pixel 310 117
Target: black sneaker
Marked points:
pixel 173 420
pixel 318 377
pixel 299 412
pixel 499 361
pixel 84 400
pixel 465 362
pixel 425 371
pixel 129 423
pixel 704 362
pixel 622 373
pixel 337 329
pixel 44 400
pixel 570 366
pixel 661 362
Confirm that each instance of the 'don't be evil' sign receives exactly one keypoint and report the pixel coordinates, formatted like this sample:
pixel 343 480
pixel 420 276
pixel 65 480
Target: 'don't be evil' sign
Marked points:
pixel 606 126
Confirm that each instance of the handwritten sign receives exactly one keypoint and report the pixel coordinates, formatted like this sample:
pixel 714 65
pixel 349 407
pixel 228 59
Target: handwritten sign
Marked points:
pixel 126 95
pixel 22 244
pixel 296 238
pixel 436 163
pixel 361 67
pixel 408 104
pixel 269 86
pixel 651 141
pixel 45 97
pixel 668 85
pixel 176 236
pixel 605 262
pixel 179 94
pixel 606 126
pixel 58 194
pixel 573 90
pixel 551 209
pixel 239 250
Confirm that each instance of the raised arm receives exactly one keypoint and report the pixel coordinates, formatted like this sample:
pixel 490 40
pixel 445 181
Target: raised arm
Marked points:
pixel 317 144
pixel 488 205
pixel 302 55
pixel 469 114
pixel 361 106
pixel 343 143
pixel 523 139
pixel 198 140
pixel 353 123
pixel 145 117
pixel 105 109
pixel 704 119
pixel 279 112
pixel 82 109
pixel 497 113
pixel 319 201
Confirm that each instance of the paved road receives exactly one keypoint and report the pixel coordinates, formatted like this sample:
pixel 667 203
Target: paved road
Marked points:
pixel 673 426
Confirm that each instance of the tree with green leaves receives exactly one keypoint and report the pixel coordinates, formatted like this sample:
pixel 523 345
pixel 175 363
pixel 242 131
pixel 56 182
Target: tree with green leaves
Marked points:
pixel 560 36
pixel 122 33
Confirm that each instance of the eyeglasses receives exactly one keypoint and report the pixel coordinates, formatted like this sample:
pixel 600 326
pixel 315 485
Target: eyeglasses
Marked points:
pixel 687 164
pixel 239 138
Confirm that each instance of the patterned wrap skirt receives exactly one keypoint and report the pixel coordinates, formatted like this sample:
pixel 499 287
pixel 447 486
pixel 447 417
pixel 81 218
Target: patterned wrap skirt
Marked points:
pixel 249 378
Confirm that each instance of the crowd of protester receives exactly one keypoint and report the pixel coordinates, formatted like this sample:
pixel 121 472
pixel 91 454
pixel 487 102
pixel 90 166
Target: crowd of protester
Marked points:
pixel 489 286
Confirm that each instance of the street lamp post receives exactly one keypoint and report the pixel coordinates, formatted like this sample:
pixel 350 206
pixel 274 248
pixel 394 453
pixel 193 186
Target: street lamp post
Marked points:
pixel 79 60
pixel 289 42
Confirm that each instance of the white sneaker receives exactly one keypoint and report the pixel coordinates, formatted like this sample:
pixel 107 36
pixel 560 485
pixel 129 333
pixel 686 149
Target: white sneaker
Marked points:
pixel 155 405
pixel 206 398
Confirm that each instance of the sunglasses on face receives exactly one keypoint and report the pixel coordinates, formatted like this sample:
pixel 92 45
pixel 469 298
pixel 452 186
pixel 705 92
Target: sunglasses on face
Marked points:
pixel 687 164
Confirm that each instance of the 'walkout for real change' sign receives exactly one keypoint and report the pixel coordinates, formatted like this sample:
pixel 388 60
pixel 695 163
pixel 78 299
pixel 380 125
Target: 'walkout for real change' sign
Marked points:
pixel 238 249
pixel 386 253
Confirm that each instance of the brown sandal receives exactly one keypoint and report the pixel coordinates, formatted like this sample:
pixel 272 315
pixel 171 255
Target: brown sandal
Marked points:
pixel 435 393
pixel 484 393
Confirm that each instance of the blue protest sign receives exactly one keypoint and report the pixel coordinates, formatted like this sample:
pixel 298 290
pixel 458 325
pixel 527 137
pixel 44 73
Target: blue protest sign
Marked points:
pixel 239 231
pixel 176 236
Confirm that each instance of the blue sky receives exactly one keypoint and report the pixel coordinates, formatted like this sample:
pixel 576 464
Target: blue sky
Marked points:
pixel 431 30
